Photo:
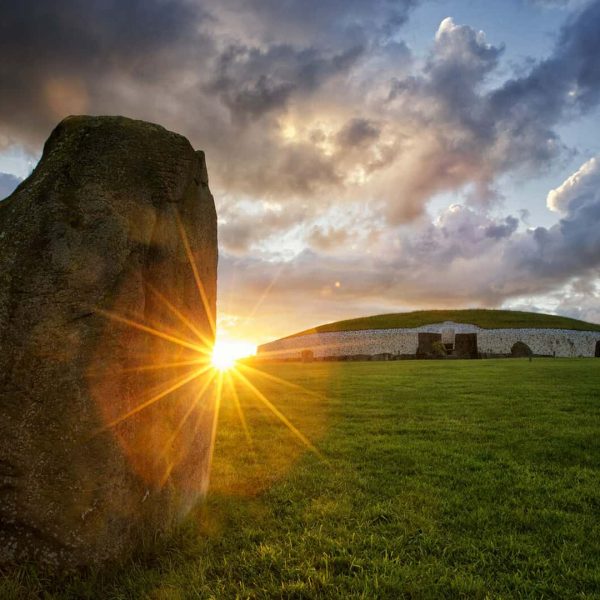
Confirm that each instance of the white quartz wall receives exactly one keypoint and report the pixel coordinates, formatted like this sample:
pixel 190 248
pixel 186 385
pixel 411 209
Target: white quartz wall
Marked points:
pixel 563 342
pixel 344 343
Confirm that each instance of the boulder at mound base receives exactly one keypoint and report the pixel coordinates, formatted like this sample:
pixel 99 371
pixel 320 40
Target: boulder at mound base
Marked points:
pixel 108 258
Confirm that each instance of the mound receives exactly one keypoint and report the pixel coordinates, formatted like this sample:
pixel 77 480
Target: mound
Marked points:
pixel 484 318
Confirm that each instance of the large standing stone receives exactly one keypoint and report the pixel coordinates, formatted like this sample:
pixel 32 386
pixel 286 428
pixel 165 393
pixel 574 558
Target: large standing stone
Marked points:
pixel 98 444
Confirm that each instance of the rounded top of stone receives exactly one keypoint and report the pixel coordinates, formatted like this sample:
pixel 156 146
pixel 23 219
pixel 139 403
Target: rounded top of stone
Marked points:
pixel 122 154
pixel 109 126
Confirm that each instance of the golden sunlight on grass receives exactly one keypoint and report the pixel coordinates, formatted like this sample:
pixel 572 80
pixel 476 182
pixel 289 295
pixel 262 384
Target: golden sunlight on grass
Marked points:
pixel 187 394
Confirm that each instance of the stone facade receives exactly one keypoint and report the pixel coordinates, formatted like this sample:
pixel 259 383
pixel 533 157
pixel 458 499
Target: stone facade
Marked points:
pixel 545 342
pixel 404 342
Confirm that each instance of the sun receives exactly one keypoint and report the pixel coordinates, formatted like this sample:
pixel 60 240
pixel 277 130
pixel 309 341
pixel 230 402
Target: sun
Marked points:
pixel 222 360
pixel 225 353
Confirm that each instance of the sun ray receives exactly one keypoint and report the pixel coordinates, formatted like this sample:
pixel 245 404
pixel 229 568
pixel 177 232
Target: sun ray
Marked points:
pixel 278 413
pixel 179 315
pixel 193 405
pixel 161 366
pixel 153 331
pixel 152 367
pixel 191 408
pixel 199 284
pixel 182 381
pixel 263 296
pixel 275 379
pixel 239 411
pixel 215 423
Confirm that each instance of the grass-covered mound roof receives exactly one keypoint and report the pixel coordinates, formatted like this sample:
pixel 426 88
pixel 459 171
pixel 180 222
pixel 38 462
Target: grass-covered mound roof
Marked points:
pixel 485 318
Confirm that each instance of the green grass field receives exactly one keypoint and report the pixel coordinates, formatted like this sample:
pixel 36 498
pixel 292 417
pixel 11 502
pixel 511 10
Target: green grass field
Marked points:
pixel 485 318
pixel 438 479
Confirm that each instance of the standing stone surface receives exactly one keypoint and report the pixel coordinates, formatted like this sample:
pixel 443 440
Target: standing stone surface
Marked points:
pixel 465 345
pixel 426 341
pixel 108 268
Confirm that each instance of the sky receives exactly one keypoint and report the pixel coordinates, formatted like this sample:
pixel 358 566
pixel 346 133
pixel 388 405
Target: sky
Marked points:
pixel 365 156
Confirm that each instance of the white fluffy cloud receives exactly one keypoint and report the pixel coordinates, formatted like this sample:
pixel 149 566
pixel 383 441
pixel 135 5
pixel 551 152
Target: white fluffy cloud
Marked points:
pixel 582 187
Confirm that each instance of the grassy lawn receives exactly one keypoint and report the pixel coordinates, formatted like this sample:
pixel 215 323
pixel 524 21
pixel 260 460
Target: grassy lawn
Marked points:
pixel 437 479
pixel 482 317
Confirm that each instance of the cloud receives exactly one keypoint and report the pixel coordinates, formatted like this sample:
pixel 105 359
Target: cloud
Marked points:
pixel 358 132
pixel 581 187
pixel 245 226
pixel 463 52
pixel 319 101
pixel 580 300
pixel 326 139
pixel 8 184
pixel 471 135
pixel 464 257
pixel 57 58
pixel 572 246
pixel 503 229
pixel 565 85
pixel 321 21
pixel 252 82
pixel 329 238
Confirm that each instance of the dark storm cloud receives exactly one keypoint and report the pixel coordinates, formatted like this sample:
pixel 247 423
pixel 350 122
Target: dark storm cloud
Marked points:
pixel 8 183
pixel 570 78
pixel 69 55
pixel 253 81
pixel 223 74
pixel 503 229
pixel 358 131
pixel 56 55
pixel 501 262
pixel 565 85
pixel 324 20
pixel 229 74
pixel 167 59
pixel 567 249
pixel 572 246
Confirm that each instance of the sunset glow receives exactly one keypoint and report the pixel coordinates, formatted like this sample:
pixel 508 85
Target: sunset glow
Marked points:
pixel 194 389
pixel 226 352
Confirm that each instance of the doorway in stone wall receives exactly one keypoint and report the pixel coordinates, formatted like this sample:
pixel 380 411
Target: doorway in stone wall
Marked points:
pixel 448 337
pixel 597 354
